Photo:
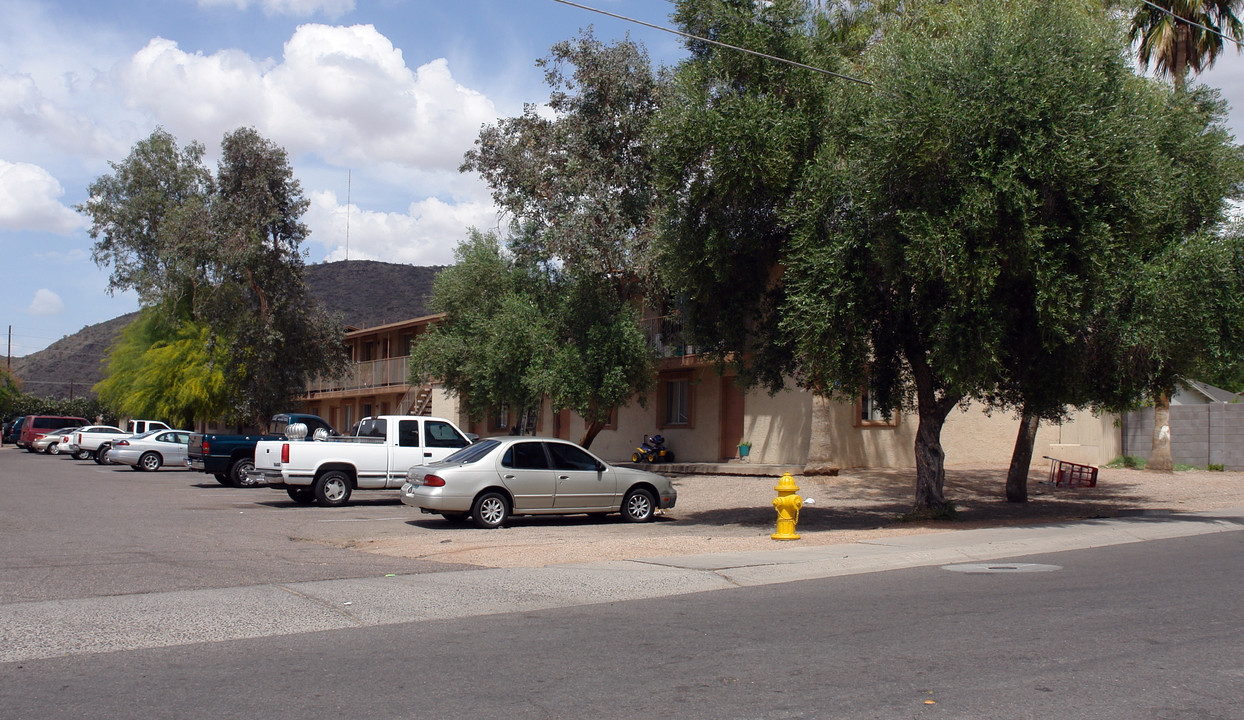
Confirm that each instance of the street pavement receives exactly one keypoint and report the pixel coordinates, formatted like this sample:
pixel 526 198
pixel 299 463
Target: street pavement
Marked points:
pixel 74 626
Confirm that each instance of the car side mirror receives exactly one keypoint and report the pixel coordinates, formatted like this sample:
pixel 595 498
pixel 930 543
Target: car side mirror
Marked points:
pixel 601 467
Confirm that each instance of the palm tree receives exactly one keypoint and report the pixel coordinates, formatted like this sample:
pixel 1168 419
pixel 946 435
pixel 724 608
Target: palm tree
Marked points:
pixel 1173 42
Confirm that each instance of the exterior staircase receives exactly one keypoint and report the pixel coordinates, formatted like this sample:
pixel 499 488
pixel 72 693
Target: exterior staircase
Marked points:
pixel 417 400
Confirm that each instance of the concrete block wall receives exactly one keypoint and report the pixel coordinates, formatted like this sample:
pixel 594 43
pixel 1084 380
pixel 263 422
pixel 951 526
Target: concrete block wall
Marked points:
pixel 1200 434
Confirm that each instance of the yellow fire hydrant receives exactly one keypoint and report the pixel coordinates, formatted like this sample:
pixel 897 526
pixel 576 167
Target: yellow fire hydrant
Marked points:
pixel 787 504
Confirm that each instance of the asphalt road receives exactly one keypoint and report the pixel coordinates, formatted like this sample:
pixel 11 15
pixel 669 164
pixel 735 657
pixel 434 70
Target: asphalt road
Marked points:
pixel 1146 629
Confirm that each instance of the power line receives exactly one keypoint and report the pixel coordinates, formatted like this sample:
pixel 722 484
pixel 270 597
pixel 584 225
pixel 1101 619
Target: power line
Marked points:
pixel 715 42
pixel 1159 8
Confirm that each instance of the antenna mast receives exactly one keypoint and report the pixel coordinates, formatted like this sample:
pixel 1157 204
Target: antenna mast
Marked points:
pixel 349 182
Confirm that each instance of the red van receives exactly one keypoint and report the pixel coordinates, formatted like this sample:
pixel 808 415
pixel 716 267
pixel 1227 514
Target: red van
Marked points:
pixel 37 425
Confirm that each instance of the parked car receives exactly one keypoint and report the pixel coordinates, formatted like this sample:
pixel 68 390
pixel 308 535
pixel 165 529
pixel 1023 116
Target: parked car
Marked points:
pixel 14 429
pixel 499 477
pixel 37 425
pixel 151 450
pixel 49 444
pixel 92 441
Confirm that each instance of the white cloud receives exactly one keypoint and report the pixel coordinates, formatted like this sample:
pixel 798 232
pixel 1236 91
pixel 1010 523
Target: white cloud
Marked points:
pixel 424 235
pixel 292 8
pixel 46 303
pixel 29 200
pixel 343 93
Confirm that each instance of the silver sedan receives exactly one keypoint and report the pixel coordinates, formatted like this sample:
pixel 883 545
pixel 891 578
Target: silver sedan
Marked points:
pixel 499 477
pixel 151 450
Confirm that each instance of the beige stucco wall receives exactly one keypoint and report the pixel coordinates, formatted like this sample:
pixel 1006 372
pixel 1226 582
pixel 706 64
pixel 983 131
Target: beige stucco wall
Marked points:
pixel 778 426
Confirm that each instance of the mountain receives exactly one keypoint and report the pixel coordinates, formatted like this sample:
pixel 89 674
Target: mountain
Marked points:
pixel 363 293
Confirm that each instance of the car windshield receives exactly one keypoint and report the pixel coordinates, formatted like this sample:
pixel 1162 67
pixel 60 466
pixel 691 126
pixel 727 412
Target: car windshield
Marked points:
pixel 472 453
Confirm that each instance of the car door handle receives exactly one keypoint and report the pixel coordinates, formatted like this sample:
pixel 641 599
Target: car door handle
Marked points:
pixel 508 477
pixel 563 477
pixel 426 454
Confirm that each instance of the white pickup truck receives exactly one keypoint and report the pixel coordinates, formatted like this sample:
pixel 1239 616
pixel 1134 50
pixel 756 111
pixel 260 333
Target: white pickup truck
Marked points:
pixel 326 470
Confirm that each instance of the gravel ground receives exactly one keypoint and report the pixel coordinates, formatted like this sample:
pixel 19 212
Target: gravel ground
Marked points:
pixel 720 513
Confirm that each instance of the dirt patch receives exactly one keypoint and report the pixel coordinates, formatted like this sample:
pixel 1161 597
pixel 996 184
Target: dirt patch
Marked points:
pixel 717 513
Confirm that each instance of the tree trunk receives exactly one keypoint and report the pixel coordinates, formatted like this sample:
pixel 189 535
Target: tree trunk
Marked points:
pixel 820 447
pixel 930 458
pixel 930 462
pixel 590 432
pixel 1160 455
pixel 1179 70
pixel 1021 459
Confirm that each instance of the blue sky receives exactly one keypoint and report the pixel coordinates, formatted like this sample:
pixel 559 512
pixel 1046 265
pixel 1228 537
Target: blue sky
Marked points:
pixel 374 99
pixel 387 93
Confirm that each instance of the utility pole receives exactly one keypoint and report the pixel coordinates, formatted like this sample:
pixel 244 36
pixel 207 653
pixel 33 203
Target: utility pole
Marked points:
pixel 8 363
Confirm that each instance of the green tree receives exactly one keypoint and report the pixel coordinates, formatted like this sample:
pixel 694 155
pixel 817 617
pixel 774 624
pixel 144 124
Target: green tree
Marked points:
pixel 734 135
pixel 164 369
pixel 485 351
pixel 221 254
pixel 1177 40
pixel 578 186
pixel 1007 164
pixel 10 393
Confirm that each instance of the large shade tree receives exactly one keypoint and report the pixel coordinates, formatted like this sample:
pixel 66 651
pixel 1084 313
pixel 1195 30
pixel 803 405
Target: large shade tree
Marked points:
pixel 577 184
pixel 1006 166
pixel 736 131
pixel 218 257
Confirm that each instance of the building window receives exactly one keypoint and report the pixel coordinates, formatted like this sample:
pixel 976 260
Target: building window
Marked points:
pixel 869 414
pixel 675 410
pixel 501 418
pixel 612 422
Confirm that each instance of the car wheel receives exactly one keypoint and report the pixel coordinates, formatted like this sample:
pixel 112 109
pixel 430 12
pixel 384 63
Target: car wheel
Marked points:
pixel 301 495
pixel 490 510
pixel 456 517
pixel 54 449
pixel 638 505
pixel 240 473
pixel 150 461
pixel 81 455
pixel 139 468
pixel 101 455
pixel 222 478
pixel 332 489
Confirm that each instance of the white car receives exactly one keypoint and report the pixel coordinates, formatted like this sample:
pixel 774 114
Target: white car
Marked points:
pixel 499 477
pixel 86 442
pixel 151 450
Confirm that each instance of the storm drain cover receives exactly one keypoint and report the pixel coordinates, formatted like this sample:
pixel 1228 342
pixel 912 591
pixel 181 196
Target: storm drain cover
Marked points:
pixel 1000 568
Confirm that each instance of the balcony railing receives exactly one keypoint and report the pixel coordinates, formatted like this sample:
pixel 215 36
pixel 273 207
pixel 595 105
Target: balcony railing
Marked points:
pixel 390 372
pixel 665 335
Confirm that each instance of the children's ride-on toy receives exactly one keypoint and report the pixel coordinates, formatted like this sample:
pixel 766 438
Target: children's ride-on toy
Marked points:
pixel 652 450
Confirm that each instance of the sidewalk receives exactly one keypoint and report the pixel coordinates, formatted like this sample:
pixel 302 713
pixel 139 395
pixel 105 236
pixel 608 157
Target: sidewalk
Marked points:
pixel 91 625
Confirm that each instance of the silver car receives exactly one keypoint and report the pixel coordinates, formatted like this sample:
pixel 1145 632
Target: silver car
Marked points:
pixel 49 444
pixel 499 477
pixel 151 450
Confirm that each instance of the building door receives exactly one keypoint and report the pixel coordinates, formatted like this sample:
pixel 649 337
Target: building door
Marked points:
pixel 561 424
pixel 731 418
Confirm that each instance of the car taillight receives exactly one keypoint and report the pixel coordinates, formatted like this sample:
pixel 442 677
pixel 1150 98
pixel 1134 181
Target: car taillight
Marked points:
pixel 434 481
pixel 206 448
pixel 119 443
pixel 285 452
